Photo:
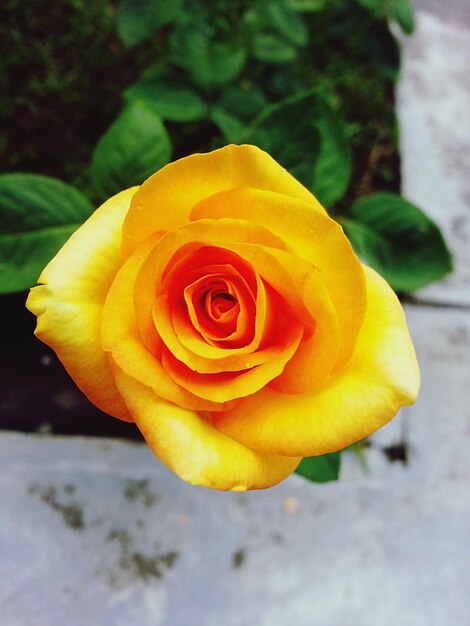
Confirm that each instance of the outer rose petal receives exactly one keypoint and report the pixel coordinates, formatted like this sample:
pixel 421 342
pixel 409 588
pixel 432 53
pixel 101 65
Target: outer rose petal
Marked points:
pixel 165 200
pixel 69 302
pixel 381 377
pixel 195 450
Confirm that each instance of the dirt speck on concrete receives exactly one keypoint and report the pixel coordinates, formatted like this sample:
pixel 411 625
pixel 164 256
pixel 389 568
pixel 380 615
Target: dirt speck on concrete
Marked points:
pixel 238 558
pixel 71 512
pixel 139 491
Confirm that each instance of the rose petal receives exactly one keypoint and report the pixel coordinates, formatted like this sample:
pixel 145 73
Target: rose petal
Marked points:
pixel 304 296
pixel 172 336
pixel 228 386
pixel 310 235
pixel 216 331
pixel 381 377
pixel 166 198
pixel 238 275
pixel 194 450
pixel 69 302
pixel 120 336
pixel 190 238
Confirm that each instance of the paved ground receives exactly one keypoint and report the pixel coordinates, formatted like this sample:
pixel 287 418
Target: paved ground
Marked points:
pixel 97 533
pixel 434 111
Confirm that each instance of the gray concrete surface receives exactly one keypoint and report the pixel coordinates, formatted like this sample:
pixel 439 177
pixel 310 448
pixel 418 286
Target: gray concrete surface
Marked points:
pixel 99 533
pixel 433 106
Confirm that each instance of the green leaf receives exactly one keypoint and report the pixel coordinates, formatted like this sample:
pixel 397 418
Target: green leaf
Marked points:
pixel 282 18
pixel 37 216
pixel 403 13
pixel 170 99
pixel 398 240
pixel 135 146
pixel 383 49
pixel 333 166
pixel 307 137
pixel 242 102
pixel 210 62
pixel 308 6
pixel 232 128
pixel 137 20
pixel 272 49
pixel 376 6
pixel 320 469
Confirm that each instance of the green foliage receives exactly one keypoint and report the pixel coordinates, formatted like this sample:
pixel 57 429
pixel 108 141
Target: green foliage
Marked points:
pixel 272 49
pixel 398 240
pixel 308 6
pixel 310 81
pixel 320 469
pixel 136 145
pixel 287 22
pixel 208 61
pixel 231 127
pixel 402 12
pixel 308 138
pixel 245 102
pixel 37 215
pixel 138 19
pixel 383 50
pixel 171 99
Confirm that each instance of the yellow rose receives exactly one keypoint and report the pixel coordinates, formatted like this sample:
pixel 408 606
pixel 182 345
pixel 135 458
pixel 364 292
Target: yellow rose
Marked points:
pixel 222 310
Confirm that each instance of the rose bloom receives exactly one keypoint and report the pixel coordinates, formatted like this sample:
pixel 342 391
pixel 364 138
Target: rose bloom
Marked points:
pixel 222 310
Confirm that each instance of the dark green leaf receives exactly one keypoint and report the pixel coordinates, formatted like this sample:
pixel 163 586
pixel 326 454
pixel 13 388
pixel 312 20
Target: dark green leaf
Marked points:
pixel 333 166
pixel 383 49
pixel 137 20
pixel 209 62
pixel 308 6
pixel 307 138
pixel 135 146
pixel 272 49
pixel 37 215
pixel 244 103
pixel 398 240
pixel 320 469
pixel 171 100
pixel 282 18
pixel 375 6
pixel 232 128
pixel 403 13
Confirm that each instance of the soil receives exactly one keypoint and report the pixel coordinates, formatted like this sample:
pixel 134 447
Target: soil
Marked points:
pixel 36 393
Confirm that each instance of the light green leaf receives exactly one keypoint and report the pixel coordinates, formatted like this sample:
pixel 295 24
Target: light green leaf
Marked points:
pixel 320 469
pixel 333 166
pixel 403 13
pixel 37 215
pixel 308 6
pixel 306 136
pixel 171 100
pixel 272 49
pixel 209 62
pixel 398 240
pixel 137 20
pixel 282 18
pixel 135 146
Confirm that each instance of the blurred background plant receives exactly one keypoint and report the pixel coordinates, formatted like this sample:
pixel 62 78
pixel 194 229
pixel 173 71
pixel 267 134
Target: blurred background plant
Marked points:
pixel 99 95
